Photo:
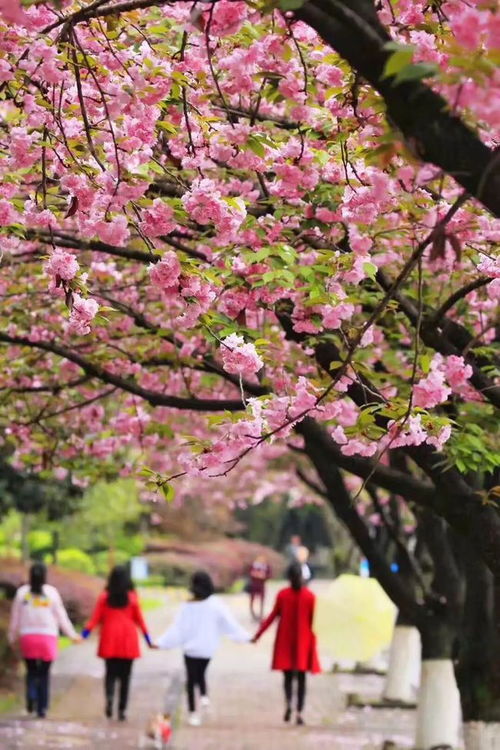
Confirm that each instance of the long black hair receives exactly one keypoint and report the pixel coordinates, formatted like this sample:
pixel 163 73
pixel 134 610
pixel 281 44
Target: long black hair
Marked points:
pixel 38 576
pixel 294 575
pixel 202 585
pixel 118 587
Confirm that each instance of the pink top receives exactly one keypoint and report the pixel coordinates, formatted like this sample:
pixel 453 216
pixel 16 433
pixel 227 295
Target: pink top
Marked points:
pixel 39 614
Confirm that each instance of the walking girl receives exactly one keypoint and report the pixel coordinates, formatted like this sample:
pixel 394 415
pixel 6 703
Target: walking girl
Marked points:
pixel 197 629
pixel 259 574
pixel 119 615
pixel 36 618
pixel 295 644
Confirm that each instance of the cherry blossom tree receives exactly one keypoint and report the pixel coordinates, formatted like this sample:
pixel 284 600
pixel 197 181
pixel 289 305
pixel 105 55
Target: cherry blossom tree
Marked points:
pixel 233 232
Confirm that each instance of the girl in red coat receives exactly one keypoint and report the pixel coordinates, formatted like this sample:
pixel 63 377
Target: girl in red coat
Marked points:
pixel 295 644
pixel 118 613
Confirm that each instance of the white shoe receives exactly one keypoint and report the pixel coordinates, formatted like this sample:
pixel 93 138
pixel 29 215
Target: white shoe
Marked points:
pixel 205 701
pixel 194 720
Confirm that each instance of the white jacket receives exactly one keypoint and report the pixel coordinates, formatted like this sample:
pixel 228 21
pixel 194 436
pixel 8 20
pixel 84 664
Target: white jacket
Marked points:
pixel 39 614
pixel 198 627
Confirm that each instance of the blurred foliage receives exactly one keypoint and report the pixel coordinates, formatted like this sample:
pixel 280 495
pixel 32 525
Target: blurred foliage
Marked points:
pixel 76 559
pixel 108 517
pixel 273 522
pixel 34 493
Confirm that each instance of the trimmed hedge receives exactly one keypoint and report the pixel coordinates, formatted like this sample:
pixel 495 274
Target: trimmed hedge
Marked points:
pixel 226 560
pixel 78 590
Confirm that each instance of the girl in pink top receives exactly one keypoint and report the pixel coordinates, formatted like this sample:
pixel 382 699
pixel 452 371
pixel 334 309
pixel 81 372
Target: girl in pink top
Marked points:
pixel 37 616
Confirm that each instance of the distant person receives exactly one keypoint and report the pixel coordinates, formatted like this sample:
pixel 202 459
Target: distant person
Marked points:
pixel 293 547
pixel 36 618
pixel 197 629
pixel 119 615
pixel 303 560
pixel 295 643
pixel 260 572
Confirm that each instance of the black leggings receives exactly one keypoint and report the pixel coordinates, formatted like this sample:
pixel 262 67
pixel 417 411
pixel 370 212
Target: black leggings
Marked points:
pixel 195 670
pixel 301 688
pixel 117 670
pixel 37 685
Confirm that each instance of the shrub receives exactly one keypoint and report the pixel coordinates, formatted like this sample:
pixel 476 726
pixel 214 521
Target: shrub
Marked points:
pixel 8 657
pixel 40 542
pixel 130 544
pixel 226 560
pixel 76 559
pixel 78 590
pixel 101 561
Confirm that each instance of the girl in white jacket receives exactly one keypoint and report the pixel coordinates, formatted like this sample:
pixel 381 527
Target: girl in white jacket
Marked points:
pixel 197 629
pixel 37 616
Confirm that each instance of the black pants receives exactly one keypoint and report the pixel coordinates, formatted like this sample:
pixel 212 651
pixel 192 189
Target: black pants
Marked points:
pixel 195 671
pixel 301 688
pixel 117 670
pixel 37 685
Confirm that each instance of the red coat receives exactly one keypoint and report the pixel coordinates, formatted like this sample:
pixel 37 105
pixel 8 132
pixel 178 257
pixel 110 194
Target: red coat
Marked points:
pixel 295 644
pixel 118 637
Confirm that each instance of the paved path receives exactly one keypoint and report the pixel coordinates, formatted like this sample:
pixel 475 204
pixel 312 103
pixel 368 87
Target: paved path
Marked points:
pixel 247 704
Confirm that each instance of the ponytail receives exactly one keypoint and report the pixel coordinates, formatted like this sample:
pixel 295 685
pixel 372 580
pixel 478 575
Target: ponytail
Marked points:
pixel 38 576
pixel 294 575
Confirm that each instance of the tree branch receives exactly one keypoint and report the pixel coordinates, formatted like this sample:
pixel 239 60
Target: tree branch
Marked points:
pixel 430 129
pixel 127 384
pixel 392 480
pixel 432 337
pixel 457 296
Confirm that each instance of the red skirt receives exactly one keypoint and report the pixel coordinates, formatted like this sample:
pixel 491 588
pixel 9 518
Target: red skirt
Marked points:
pixel 39 646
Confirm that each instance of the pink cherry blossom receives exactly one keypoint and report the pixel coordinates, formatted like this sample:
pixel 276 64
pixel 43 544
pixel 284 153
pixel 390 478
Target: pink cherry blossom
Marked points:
pixel 490 267
pixel 7 213
pixel 114 232
pixel 158 219
pixel 165 274
pixel 240 358
pixel 83 312
pixel 11 11
pixel 62 265
pixel 431 391
pixel 456 371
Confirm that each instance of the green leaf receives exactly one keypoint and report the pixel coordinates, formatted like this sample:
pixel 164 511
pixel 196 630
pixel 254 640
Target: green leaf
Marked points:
pixel 290 4
pixel 398 60
pixel 416 72
pixel 168 492
pixel 256 146
pixel 425 363
pixel 168 126
pixel 370 269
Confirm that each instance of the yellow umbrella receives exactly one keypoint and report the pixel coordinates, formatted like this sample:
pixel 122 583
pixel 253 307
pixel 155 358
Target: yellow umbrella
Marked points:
pixel 354 618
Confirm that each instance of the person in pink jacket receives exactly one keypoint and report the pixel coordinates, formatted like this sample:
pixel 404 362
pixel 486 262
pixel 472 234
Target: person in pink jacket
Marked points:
pixel 36 618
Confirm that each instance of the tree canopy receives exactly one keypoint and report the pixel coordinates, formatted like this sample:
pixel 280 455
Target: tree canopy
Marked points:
pixel 232 228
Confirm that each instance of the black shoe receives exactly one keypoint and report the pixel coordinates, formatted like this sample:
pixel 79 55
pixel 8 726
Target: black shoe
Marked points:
pixel 122 716
pixel 108 710
pixel 41 714
pixel 288 714
pixel 30 707
pixel 300 721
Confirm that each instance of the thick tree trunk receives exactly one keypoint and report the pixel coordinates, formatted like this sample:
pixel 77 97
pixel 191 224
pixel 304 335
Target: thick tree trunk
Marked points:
pixel 403 674
pixel 426 120
pixel 482 735
pixel 478 672
pixel 25 530
pixel 438 712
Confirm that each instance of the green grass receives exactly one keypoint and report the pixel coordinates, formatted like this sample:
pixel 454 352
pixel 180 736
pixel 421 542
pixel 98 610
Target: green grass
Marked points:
pixel 8 702
pixel 64 642
pixel 149 603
